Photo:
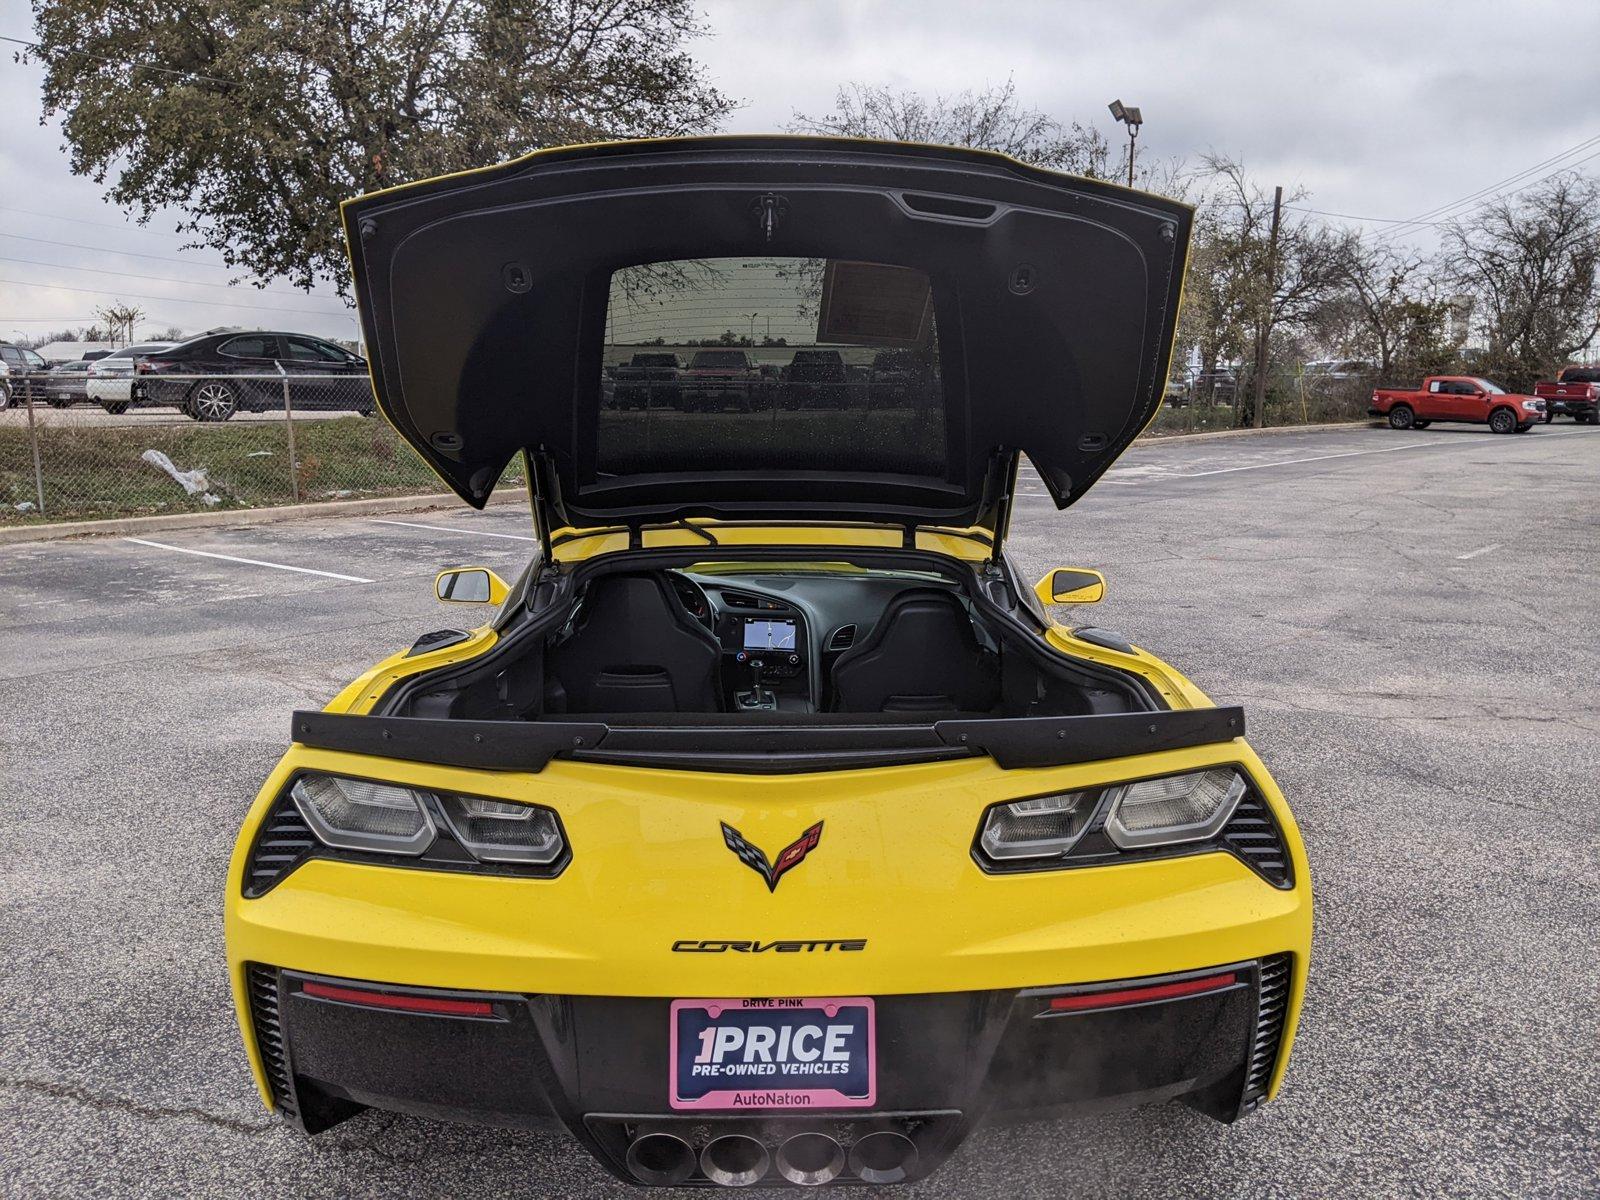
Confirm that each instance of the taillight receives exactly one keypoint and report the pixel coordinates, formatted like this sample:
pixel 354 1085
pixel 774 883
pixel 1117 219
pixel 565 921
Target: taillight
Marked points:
pixel 1121 997
pixel 439 1006
pixel 145 366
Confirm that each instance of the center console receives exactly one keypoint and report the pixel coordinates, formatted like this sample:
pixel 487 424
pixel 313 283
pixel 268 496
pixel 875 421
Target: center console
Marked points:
pixel 764 660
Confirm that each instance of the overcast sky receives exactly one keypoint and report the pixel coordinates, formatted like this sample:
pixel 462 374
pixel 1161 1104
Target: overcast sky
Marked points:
pixel 1378 109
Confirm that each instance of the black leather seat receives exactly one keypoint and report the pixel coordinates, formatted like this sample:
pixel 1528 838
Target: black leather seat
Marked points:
pixel 637 649
pixel 922 656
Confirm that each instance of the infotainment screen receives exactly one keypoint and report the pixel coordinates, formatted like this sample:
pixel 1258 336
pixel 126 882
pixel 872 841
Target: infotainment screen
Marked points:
pixel 768 635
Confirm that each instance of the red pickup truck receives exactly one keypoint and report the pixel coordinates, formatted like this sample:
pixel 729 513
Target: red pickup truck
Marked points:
pixel 1574 393
pixel 1457 398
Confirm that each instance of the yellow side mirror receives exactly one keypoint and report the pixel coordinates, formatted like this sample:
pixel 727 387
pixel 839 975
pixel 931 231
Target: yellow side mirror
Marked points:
pixel 470 585
pixel 1071 585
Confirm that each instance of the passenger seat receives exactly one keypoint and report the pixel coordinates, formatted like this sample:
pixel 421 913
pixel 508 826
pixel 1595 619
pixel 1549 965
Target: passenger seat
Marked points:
pixel 922 656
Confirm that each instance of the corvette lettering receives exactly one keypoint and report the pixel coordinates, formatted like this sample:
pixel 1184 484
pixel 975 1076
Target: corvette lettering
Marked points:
pixel 803 946
pixel 789 857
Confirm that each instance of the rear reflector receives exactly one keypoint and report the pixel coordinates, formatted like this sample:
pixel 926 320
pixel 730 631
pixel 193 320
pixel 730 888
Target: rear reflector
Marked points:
pixel 441 1006
pixel 1142 995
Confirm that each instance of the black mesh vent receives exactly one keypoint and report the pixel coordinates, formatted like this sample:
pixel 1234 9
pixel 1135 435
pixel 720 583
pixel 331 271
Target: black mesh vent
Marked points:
pixel 1253 835
pixel 262 983
pixel 1271 1009
pixel 283 843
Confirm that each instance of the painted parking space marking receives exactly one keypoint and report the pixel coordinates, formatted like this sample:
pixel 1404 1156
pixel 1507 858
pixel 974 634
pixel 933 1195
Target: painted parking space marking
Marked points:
pixel 1290 462
pixel 514 537
pixel 252 562
pixel 1478 551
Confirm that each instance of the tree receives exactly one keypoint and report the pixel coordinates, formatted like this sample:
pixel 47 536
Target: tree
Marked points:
pixel 1252 291
pixel 991 119
pixel 1395 309
pixel 120 318
pixel 1530 263
pixel 256 117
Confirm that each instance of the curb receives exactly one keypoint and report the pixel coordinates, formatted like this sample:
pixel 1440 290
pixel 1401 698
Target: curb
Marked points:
pixel 12 535
pixel 1212 434
pixel 232 518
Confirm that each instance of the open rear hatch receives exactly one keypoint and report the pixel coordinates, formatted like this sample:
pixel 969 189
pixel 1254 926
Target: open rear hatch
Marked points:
pixel 954 307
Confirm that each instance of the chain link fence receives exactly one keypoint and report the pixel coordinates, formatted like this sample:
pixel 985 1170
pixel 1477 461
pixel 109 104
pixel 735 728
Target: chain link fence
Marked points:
pixel 1225 399
pixel 74 447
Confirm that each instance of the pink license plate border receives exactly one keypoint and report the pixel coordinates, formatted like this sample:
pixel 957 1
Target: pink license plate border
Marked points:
pixel 813 1097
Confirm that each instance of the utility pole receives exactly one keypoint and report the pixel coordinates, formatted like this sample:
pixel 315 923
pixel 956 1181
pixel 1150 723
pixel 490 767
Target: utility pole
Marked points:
pixel 1264 320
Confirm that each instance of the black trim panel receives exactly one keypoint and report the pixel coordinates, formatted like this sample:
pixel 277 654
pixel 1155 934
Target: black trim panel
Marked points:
pixel 827 743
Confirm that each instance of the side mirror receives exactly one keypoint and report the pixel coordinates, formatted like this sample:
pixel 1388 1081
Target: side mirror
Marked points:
pixel 470 585
pixel 1071 585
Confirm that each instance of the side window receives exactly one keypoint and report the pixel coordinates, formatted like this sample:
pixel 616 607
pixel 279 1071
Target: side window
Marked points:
pixel 250 345
pixel 33 360
pixel 11 354
pixel 303 349
pixel 1436 386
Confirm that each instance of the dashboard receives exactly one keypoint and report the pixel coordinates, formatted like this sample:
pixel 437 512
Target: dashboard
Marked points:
pixel 795 624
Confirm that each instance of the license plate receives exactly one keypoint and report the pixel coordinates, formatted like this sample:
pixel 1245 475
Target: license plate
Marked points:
pixel 774 1054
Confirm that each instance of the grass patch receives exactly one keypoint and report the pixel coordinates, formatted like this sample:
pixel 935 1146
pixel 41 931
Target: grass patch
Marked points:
pixel 92 472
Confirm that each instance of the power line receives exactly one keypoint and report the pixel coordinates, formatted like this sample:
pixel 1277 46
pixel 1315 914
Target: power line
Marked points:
pixel 124 228
pixel 1480 197
pixel 129 254
pixel 61 287
pixel 1352 217
pixel 34 262
pixel 123 62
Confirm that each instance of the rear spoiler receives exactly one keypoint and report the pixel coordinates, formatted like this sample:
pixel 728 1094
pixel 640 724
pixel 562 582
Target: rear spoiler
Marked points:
pixel 828 742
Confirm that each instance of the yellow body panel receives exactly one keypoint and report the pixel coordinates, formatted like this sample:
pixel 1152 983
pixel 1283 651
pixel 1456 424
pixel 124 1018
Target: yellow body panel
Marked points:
pixel 649 868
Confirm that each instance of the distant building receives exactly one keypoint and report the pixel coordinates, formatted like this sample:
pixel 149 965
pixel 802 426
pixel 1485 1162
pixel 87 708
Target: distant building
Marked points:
pixel 72 351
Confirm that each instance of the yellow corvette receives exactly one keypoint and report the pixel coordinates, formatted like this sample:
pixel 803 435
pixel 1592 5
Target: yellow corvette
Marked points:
pixel 770 830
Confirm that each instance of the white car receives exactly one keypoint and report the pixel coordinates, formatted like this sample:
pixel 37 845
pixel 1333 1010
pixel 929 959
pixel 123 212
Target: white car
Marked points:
pixel 110 382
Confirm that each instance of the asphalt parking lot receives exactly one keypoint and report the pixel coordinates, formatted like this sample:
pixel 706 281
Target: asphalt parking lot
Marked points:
pixel 1409 619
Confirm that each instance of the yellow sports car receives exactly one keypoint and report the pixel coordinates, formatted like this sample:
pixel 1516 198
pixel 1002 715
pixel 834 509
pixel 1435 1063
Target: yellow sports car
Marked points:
pixel 770 829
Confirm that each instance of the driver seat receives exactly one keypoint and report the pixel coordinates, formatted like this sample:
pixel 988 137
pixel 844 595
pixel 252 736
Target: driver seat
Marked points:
pixel 922 656
pixel 638 650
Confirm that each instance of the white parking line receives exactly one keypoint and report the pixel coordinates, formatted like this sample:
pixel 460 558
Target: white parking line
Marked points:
pixel 252 562
pixel 1478 551
pixel 1289 462
pixel 515 537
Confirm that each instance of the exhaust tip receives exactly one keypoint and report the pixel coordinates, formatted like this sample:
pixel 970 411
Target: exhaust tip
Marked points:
pixel 883 1157
pixel 810 1159
pixel 663 1159
pixel 734 1160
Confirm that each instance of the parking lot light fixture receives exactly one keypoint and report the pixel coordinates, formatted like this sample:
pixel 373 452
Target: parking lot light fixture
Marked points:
pixel 1130 116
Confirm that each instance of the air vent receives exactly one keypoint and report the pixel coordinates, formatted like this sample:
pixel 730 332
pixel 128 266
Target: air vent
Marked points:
pixel 843 638
pixel 284 842
pixel 1253 835
pixel 262 984
pixel 1272 1006
pixel 746 600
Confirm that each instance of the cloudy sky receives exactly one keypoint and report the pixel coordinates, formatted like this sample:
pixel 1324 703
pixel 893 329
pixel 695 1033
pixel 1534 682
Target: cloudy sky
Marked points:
pixel 1379 109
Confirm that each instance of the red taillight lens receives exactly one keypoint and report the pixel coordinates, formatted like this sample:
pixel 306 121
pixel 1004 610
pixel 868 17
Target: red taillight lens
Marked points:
pixel 442 1006
pixel 1083 1001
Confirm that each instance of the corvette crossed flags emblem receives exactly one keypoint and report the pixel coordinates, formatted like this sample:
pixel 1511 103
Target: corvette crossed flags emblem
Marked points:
pixel 788 858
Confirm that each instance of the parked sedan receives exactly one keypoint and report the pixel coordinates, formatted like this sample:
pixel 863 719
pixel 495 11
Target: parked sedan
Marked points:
pixel 67 383
pixel 110 379
pixel 212 377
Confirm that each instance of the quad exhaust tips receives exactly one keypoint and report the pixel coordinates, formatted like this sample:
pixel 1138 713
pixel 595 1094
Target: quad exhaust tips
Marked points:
pixel 807 1158
pixel 734 1160
pixel 662 1159
pixel 883 1157
pixel 810 1159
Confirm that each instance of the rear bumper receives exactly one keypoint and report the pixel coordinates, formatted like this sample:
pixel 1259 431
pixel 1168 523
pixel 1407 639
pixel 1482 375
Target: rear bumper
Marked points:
pixel 599 1065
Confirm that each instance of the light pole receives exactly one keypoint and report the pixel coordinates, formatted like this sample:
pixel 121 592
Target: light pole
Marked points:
pixel 753 317
pixel 1132 118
